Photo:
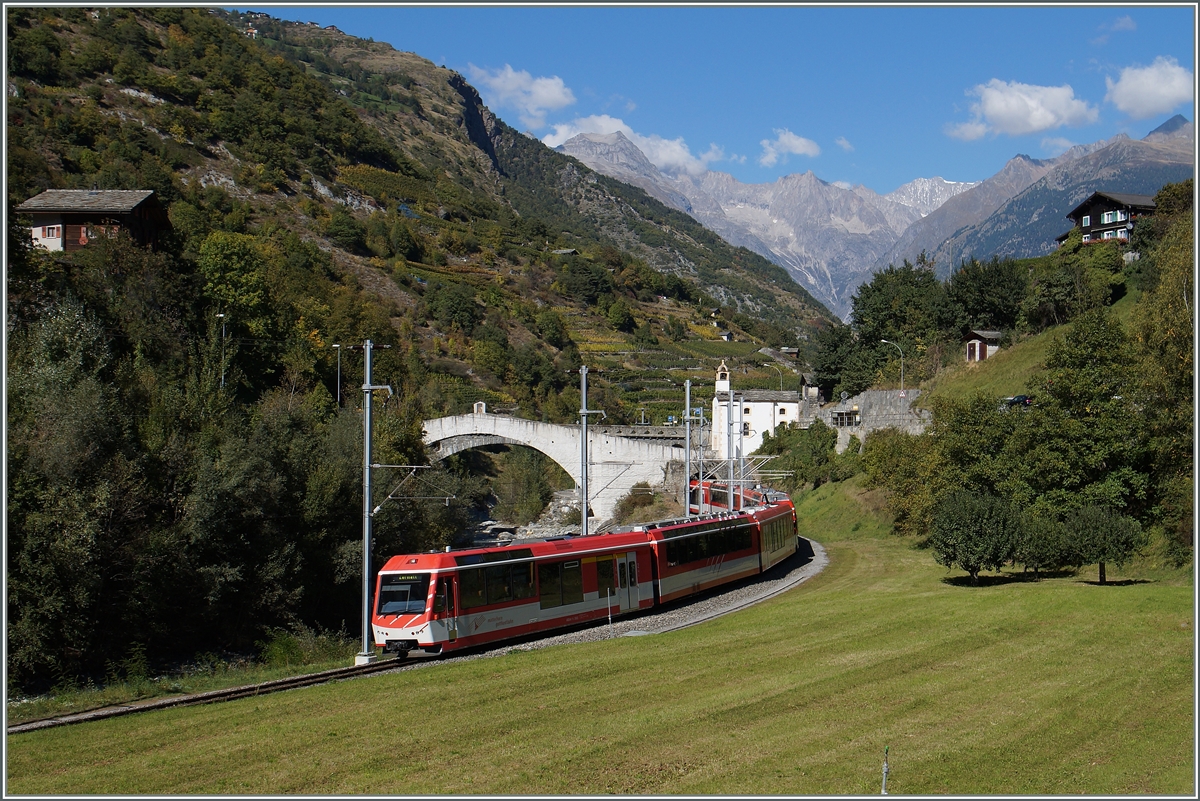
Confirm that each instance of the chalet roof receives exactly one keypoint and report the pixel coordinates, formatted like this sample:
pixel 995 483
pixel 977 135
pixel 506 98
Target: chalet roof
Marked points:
pixel 1120 198
pixel 982 334
pixel 112 201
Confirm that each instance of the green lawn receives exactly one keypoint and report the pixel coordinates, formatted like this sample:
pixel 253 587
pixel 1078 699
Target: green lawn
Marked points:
pixel 1015 687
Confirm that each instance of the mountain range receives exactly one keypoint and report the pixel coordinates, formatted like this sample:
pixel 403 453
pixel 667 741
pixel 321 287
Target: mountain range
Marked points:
pixel 831 237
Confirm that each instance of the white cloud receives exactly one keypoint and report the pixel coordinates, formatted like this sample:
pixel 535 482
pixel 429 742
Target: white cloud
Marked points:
pixel 531 97
pixel 1145 91
pixel 1124 23
pixel 1020 108
pixel 844 144
pixel 786 142
pixel 967 131
pixel 669 155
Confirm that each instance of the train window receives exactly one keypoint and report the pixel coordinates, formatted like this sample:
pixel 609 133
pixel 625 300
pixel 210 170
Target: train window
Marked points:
pixel 560 583
pixel 710 544
pixel 522 580
pixel 550 583
pixel 604 576
pixel 443 601
pixel 622 577
pixel 470 588
pixel 633 572
pixel 402 594
pixel 499 583
pixel 572 582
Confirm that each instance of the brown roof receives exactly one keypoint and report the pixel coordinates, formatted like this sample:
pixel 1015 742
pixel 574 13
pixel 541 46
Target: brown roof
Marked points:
pixel 1120 198
pixel 98 200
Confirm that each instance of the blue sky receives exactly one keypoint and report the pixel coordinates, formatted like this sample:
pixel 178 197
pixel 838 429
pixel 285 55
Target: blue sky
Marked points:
pixel 865 95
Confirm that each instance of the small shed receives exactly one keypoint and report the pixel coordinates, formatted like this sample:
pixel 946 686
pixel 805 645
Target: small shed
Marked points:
pixel 67 219
pixel 981 345
pixel 810 392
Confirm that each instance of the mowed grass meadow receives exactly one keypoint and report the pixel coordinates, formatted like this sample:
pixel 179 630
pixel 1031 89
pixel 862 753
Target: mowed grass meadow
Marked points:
pixel 1013 687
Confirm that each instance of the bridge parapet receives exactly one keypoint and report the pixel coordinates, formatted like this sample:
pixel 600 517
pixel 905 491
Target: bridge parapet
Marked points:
pixel 616 461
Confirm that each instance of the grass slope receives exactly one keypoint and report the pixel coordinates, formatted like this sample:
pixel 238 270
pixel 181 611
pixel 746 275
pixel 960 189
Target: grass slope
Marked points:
pixel 1014 687
pixel 1012 371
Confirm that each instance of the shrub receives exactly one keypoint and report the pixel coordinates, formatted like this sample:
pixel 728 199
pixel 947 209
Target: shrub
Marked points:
pixel 1042 544
pixel 305 646
pixel 1102 535
pixel 973 532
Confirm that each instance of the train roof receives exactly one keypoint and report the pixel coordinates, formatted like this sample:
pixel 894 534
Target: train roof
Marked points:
pixel 549 547
pixel 453 559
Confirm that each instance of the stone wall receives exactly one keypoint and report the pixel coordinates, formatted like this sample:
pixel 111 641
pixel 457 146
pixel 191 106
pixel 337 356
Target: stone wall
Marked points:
pixel 877 408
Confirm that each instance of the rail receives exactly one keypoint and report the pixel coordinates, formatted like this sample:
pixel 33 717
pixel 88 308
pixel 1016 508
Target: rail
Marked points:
pixel 210 697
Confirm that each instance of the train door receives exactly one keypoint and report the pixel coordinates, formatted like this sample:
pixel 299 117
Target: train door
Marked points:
pixel 635 588
pixel 627 581
pixel 445 608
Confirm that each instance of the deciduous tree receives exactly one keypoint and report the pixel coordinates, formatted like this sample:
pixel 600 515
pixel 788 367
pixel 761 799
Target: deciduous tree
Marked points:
pixel 973 532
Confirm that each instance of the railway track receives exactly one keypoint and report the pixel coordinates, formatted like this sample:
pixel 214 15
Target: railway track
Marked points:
pixel 703 609
pixel 210 697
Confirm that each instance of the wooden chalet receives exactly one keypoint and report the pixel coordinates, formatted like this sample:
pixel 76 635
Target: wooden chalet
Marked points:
pixel 1108 215
pixel 68 219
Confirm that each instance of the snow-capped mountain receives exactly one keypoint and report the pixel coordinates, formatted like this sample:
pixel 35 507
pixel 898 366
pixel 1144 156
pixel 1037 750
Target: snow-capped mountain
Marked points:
pixel 831 236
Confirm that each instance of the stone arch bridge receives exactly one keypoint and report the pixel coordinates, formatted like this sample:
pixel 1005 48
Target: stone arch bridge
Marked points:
pixel 618 456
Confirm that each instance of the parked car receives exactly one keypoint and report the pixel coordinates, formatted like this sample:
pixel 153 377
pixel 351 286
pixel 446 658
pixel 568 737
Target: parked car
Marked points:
pixel 1020 401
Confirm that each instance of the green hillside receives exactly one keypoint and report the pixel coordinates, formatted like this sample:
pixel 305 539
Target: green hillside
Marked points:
pixel 1019 687
pixel 1012 371
pixel 182 478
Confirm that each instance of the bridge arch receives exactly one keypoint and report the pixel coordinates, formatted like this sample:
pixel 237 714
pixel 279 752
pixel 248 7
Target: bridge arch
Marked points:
pixel 615 463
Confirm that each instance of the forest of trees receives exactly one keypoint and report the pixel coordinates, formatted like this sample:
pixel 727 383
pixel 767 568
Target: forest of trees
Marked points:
pixel 181 483
pixel 1097 470
pixel 1101 464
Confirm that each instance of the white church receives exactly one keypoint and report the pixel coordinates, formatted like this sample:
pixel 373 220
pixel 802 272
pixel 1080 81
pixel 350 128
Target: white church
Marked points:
pixel 753 412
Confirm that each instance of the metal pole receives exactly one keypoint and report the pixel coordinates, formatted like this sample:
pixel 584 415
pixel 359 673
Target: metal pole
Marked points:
pixel 700 468
pixel 609 599
pixel 780 374
pixel 368 651
pixel 729 451
pixel 741 449
pixel 339 375
pixel 687 448
pixel 583 452
pixel 222 316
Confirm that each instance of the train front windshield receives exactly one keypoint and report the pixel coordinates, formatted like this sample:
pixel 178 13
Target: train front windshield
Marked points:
pixel 402 594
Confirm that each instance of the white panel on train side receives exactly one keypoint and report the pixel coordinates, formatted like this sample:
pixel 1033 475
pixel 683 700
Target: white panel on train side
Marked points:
pixel 706 574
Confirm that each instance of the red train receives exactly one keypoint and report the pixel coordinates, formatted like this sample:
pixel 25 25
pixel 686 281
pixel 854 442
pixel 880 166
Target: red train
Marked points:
pixel 443 601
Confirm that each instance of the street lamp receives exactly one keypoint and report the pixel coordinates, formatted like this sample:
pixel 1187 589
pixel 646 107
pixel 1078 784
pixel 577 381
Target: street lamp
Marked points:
pixel 886 342
pixel 338 348
pixel 780 374
pixel 221 317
